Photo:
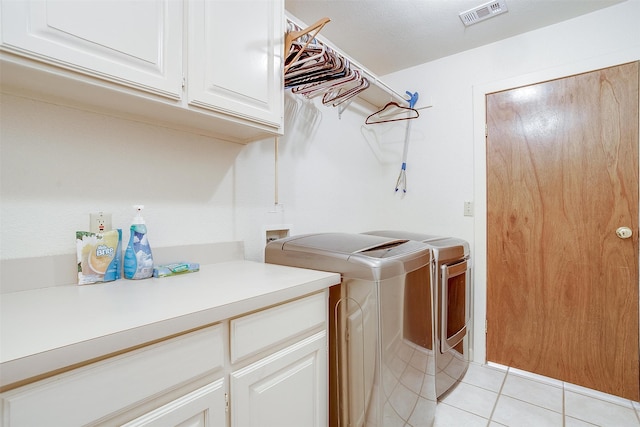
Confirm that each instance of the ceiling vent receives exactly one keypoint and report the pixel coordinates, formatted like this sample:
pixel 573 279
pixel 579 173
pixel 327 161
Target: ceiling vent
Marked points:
pixel 485 11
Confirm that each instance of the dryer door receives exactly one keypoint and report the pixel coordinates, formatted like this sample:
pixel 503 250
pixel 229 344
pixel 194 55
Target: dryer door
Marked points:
pixel 455 304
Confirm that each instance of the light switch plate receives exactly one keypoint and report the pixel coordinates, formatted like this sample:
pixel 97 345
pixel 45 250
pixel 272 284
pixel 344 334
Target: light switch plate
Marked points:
pixel 468 208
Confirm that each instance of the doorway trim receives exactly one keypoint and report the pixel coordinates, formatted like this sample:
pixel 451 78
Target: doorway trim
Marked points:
pixel 479 343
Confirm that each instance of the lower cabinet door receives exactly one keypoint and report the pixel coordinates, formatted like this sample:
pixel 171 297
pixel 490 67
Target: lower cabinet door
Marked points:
pixel 204 407
pixel 102 390
pixel 288 388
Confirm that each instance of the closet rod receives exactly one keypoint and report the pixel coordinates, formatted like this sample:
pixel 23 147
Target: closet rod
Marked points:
pixel 374 81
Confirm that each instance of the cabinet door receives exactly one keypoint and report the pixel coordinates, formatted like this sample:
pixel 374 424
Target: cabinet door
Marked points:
pixel 204 407
pixel 288 388
pixel 135 43
pixel 101 390
pixel 235 58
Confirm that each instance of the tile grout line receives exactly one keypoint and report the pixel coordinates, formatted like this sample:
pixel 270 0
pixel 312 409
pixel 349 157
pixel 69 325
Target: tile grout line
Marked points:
pixel 564 416
pixel 528 402
pixel 464 410
pixel 495 405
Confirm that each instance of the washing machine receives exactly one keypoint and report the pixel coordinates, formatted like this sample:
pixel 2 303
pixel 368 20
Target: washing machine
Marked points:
pixel 381 329
pixel 453 303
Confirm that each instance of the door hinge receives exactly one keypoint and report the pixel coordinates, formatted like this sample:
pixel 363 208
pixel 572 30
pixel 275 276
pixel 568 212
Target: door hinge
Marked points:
pixel 226 402
pixel 184 82
pixel 486 130
pixel 485 326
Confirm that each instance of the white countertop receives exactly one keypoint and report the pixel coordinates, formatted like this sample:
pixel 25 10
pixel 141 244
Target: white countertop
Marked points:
pixel 43 330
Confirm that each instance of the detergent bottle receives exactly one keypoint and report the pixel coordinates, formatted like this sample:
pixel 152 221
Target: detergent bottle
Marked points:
pixel 138 259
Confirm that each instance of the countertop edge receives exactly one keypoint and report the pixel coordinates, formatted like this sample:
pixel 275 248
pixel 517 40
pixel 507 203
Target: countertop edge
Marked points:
pixel 20 370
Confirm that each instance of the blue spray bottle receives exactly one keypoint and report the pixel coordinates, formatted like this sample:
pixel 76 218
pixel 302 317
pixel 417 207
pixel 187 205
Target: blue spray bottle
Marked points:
pixel 138 259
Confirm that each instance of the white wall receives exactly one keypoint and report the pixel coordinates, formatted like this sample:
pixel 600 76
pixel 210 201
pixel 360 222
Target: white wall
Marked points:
pixel 331 176
pixel 58 164
pixel 458 85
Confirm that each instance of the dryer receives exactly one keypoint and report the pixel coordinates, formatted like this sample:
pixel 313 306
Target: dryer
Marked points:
pixel 452 295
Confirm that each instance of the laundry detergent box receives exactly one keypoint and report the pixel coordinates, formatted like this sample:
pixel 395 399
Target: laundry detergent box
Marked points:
pixel 99 256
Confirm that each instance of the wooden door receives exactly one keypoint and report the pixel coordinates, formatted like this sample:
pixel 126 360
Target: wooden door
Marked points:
pixel 562 176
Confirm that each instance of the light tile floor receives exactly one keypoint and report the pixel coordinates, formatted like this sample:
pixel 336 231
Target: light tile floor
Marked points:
pixel 496 396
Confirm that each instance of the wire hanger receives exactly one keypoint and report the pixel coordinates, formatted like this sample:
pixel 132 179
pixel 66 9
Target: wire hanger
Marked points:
pixel 391 110
pixel 290 36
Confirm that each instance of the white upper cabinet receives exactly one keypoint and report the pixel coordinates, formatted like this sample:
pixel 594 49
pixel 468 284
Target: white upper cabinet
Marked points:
pixel 231 68
pixel 135 43
pixel 213 67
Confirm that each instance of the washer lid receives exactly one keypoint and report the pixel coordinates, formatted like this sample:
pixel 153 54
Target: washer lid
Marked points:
pixel 445 249
pixel 353 255
pixel 342 243
pixel 400 234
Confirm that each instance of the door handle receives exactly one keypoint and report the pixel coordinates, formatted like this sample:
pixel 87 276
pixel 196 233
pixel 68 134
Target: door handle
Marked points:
pixel 624 232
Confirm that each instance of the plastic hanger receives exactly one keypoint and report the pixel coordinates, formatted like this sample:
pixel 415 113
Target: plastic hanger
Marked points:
pixel 392 109
pixel 314 69
pixel 315 54
pixel 327 84
pixel 346 91
pixel 290 36
pixel 328 67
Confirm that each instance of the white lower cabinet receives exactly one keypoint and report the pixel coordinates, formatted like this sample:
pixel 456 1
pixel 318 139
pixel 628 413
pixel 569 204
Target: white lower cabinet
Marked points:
pixel 201 408
pixel 280 368
pixel 97 392
pixel 278 376
pixel 288 388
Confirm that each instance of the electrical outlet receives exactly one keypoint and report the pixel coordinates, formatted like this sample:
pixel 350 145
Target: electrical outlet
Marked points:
pixel 99 222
